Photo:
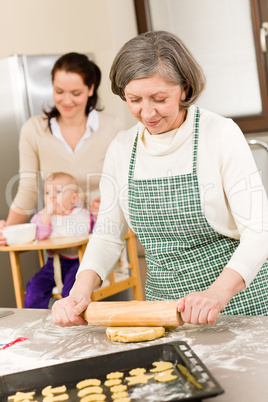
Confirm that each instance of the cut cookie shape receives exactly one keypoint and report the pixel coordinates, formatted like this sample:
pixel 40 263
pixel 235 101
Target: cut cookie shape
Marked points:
pixel 118 388
pixel 111 383
pixel 165 376
pixel 116 374
pixel 161 366
pixel 88 383
pixel 90 390
pixel 93 398
pixel 137 371
pixel 139 379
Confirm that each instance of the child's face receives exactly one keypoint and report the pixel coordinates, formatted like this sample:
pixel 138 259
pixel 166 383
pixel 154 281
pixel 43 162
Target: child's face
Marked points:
pixel 60 196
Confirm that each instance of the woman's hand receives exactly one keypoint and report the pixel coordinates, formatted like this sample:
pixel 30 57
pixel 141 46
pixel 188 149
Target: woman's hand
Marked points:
pixel 66 312
pixel 200 307
pixel 3 224
pixel 205 307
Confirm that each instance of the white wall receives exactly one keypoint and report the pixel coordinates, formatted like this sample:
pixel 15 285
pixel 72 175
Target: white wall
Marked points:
pixel 100 27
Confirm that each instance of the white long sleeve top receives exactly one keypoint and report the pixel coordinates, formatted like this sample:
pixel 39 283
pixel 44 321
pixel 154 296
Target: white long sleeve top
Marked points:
pixel 233 198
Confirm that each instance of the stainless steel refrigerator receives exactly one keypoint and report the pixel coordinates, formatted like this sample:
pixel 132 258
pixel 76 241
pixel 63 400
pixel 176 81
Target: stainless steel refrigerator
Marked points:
pixel 25 89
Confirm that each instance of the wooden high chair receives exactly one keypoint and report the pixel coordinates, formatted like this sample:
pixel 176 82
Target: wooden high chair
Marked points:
pixel 56 244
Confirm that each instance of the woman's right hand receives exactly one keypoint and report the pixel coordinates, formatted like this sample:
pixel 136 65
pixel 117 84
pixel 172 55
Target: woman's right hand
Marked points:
pixel 66 312
pixel 3 224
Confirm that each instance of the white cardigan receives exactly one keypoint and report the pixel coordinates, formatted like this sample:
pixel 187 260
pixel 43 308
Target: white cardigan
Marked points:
pixel 232 196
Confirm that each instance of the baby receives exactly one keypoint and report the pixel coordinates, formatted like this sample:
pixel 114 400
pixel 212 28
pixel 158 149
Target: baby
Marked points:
pixel 59 218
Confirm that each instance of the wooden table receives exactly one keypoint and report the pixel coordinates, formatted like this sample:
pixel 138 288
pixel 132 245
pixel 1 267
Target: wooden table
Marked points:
pixel 235 350
pixel 51 244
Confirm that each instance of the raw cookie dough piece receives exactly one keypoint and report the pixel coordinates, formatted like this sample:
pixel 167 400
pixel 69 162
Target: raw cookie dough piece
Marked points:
pixel 161 366
pixel 55 398
pixel 116 374
pixel 93 398
pixel 137 371
pixel 118 388
pixel 166 376
pixel 119 395
pixel 134 334
pixel 111 383
pixel 20 396
pixel 88 383
pixel 123 400
pixel 139 379
pixel 90 390
pixel 49 391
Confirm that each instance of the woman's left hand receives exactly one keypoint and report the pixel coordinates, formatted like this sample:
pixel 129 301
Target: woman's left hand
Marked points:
pixel 200 308
pixel 205 307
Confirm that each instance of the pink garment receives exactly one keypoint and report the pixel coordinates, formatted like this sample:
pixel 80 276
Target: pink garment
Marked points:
pixel 42 230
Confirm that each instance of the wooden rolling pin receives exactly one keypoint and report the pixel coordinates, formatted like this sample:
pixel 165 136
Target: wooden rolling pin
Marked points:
pixel 133 314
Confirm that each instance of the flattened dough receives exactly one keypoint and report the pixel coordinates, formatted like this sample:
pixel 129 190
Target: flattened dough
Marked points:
pixel 134 334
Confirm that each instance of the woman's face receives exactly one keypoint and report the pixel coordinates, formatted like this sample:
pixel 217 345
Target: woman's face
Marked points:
pixel 70 93
pixel 156 103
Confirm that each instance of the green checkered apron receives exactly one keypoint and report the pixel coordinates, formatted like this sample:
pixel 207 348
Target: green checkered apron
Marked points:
pixel 183 252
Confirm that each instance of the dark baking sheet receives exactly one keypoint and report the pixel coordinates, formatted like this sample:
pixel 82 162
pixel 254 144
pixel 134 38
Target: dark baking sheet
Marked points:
pixel 71 373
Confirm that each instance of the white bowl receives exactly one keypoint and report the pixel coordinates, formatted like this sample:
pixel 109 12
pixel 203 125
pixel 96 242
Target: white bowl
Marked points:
pixel 24 233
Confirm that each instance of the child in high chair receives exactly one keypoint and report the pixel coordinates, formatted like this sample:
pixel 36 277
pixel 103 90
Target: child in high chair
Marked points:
pixel 61 217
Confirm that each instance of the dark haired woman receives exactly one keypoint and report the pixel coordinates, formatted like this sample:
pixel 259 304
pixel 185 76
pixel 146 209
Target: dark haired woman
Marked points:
pixel 72 137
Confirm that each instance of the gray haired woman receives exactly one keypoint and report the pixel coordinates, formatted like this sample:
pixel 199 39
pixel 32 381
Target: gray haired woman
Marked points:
pixel 184 180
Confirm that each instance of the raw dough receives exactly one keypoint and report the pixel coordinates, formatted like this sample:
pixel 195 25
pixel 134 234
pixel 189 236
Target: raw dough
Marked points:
pixel 166 376
pixel 111 383
pixel 116 374
pixel 161 366
pixel 137 371
pixel 49 391
pixel 88 382
pixel 93 398
pixel 20 396
pixel 123 400
pixel 55 398
pixel 118 388
pixel 118 395
pixel 134 334
pixel 139 379
pixel 90 390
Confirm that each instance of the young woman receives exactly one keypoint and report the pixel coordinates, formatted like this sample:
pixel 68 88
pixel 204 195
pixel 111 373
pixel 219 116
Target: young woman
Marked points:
pixel 72 137
pixel 187 185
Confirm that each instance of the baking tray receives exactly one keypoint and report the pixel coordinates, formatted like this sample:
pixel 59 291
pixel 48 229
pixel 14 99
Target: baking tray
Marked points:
pixel 69 374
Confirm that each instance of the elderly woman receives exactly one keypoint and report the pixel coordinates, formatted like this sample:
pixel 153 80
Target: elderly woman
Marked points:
pixel 185 181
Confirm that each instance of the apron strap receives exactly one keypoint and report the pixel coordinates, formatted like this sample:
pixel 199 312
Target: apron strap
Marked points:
pixel 195 137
